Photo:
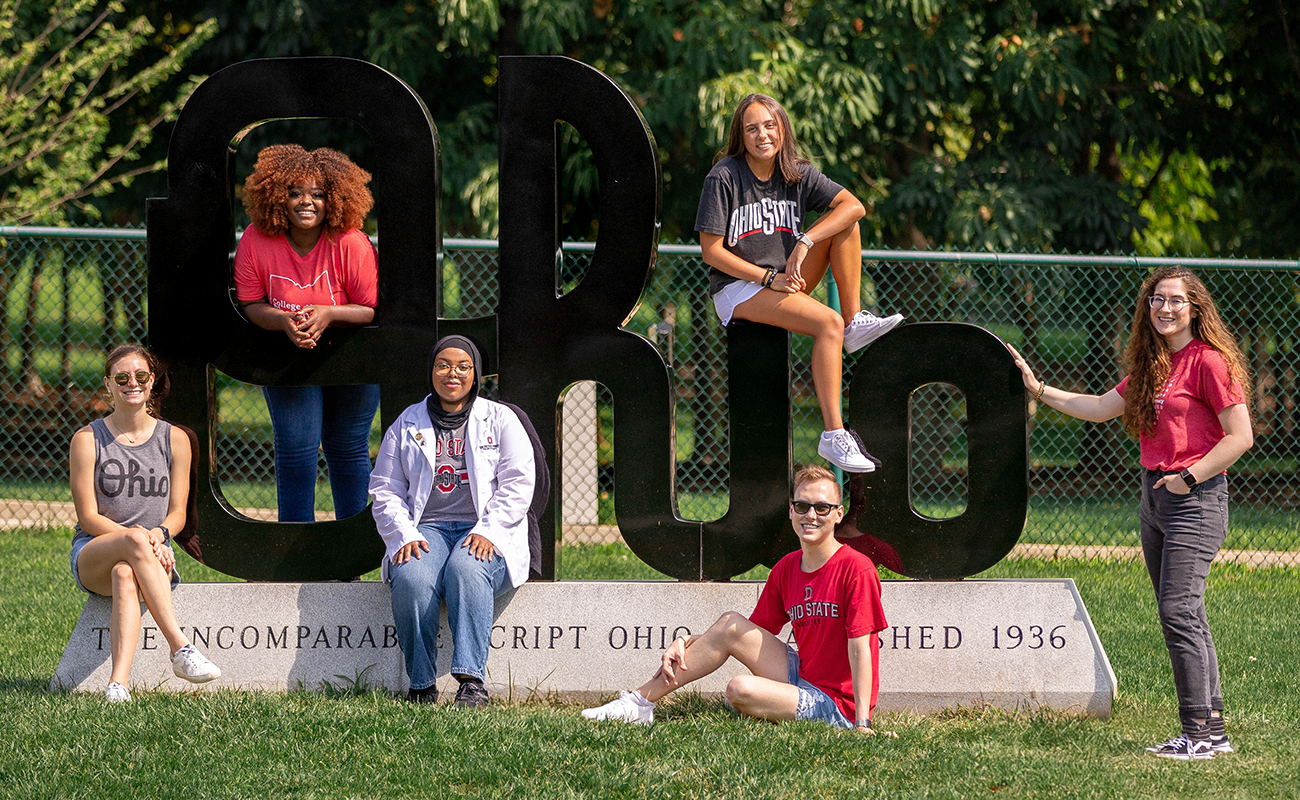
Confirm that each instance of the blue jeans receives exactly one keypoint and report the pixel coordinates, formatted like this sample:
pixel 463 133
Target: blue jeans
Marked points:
pixel 1181 534
pixel 469 587
pixel 308 419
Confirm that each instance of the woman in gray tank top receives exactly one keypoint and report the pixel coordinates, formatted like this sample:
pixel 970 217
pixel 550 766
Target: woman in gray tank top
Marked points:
pixel 130 476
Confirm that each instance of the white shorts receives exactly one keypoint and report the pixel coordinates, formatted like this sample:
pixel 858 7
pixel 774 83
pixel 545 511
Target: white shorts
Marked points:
pixel 732 295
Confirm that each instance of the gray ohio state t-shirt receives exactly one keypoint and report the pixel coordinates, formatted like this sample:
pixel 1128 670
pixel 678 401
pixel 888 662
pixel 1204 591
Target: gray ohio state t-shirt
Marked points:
pixel 758 220
pixel 450 499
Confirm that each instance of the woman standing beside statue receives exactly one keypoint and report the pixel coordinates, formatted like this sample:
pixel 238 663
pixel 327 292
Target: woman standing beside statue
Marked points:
pixel 1185 400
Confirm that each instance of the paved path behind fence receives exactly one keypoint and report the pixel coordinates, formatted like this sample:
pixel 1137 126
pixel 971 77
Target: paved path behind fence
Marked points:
pixel 16 514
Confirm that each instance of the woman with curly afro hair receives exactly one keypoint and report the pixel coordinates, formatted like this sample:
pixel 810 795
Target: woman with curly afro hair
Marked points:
pixel 303 267
pixel 1185 401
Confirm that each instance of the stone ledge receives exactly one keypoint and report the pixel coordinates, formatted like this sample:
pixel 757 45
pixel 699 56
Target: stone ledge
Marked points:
pixel 1009 644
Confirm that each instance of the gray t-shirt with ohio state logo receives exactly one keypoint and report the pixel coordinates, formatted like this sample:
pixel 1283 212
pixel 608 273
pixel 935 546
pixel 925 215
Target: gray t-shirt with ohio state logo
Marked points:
pixel 450 499
pixel 758 220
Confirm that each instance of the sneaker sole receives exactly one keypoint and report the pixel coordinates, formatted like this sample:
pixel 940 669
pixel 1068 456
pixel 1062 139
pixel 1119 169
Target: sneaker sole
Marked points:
pixel 620 719
pixel 871 465
pixel 886 326
pixel 200 679
pixel 1184 756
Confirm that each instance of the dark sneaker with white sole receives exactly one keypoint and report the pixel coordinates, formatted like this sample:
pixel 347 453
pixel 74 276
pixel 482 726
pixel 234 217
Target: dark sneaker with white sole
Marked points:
pixel 1181 748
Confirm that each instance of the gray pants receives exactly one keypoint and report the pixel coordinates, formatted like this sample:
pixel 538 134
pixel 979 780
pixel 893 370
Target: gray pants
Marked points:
pixel 1180 536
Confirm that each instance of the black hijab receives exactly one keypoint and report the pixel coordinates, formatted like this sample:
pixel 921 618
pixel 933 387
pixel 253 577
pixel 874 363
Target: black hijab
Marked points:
pixel 442 418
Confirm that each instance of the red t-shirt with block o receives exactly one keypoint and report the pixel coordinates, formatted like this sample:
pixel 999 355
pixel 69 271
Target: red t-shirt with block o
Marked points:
pixel 826 608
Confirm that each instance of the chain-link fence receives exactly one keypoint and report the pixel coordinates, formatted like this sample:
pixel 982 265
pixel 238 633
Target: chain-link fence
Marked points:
pixel 70 295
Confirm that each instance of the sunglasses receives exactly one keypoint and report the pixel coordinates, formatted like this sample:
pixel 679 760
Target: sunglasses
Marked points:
pixel 822 509
pixel 141 376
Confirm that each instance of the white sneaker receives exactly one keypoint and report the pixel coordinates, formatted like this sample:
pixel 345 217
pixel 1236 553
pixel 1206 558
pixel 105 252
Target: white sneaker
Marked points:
pixel 627 708
pixel 841 448
pixel 193 666
pixel 866 328
pixel 117 693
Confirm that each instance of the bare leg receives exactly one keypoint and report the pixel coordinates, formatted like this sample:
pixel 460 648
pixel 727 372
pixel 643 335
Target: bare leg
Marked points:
pixel 843 253
pixel 764 698
pixel 732 636
pixel 799 313
pixel 96 568
pixel 124 625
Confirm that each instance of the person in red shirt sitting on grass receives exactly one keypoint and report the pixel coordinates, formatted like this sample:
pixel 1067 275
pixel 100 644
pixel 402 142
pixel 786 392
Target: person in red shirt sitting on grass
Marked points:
pixel 830 595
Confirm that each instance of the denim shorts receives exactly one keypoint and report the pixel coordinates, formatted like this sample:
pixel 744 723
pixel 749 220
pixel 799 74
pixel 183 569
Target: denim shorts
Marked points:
pixel 813 702
pixel 79 540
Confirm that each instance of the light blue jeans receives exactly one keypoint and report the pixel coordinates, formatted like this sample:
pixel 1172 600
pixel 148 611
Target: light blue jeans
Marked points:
pixel 469 587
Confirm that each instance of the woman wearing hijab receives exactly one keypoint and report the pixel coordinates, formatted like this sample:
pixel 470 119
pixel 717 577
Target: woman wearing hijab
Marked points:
pixel 451 489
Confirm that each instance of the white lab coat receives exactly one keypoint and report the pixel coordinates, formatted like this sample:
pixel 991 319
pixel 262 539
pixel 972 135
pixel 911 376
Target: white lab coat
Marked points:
pixel 499 459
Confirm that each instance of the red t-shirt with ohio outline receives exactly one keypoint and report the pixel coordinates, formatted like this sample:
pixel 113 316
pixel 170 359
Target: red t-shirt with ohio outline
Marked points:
pixel 339 270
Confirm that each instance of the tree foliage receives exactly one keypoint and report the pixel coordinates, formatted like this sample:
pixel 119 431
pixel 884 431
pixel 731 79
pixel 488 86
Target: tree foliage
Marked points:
pixel 1016 124
pixel 67 85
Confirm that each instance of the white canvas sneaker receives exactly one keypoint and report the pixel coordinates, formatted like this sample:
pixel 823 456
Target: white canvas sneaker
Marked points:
pixel 866 328
pixel 193 666
pixel 841 448
pixel 117 693
pixel 627 708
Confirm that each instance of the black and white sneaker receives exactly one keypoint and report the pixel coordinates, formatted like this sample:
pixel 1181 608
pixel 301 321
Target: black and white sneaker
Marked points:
pixel 1181 748
pixel 844 449
pixel 1220 744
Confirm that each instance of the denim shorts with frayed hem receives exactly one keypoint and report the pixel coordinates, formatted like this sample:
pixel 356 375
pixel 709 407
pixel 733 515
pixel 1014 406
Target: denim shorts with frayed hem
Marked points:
pixel 813 702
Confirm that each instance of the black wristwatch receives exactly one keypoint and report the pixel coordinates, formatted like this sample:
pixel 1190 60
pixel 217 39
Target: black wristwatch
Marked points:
pixel 167 535
pixel 1188 478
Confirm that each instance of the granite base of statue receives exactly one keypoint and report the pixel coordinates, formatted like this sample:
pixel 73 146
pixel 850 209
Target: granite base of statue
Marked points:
pixel 1010 644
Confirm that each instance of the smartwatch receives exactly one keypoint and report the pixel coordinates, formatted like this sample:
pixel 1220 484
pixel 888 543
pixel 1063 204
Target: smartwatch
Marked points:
pixel 167 535
pixel 803 239
pixel 1188 478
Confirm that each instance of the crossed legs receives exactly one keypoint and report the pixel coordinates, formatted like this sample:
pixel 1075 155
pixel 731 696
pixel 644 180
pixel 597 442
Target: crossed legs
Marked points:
pixel 799 313
pixel 123 565
pixel 843 254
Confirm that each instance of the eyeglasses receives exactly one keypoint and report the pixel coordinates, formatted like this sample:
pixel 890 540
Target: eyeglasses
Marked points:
pixel 461 370
pixel 822 509
pixel 141 376
pixel 1175 303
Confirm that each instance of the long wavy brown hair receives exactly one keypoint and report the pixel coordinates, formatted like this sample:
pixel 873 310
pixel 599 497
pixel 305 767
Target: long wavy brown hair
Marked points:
pixel 281 166
pixel 1147 356
pixel 789 159
pixel 161 382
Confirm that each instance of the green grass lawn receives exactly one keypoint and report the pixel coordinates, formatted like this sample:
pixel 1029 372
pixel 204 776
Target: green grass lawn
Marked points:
pixel 340 744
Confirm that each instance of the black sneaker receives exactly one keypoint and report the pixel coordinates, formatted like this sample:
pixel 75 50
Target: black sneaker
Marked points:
pixel 427 695
pixel 1218 736
pixel 1220 744
pixel 1180 748
pixel 472 694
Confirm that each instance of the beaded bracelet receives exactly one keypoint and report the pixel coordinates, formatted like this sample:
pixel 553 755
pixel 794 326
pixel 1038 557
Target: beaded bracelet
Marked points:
pixel 1042 387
